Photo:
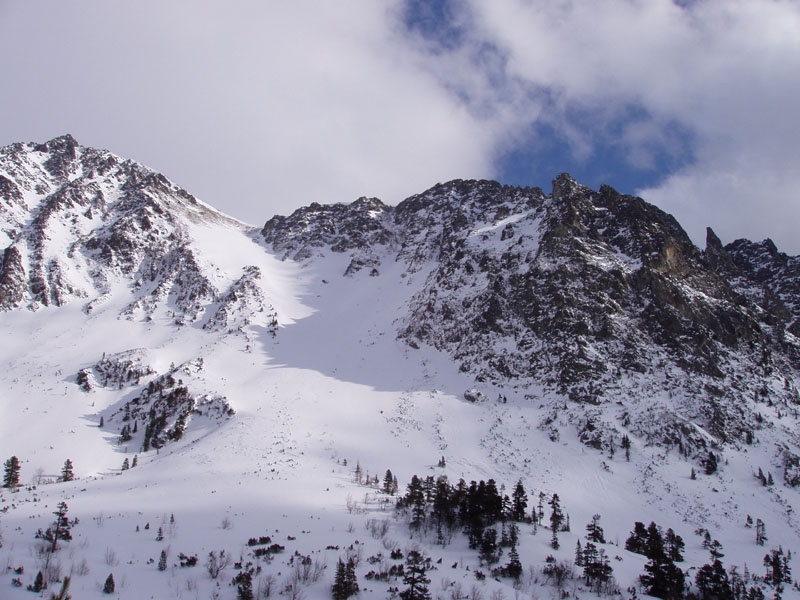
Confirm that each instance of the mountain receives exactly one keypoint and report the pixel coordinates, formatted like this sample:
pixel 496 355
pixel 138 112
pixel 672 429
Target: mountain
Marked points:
pixel 576 341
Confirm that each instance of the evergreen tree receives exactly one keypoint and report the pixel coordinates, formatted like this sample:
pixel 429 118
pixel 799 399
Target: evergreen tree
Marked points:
pixel 109 586
pixel 626 444
pixel 761 532
pixel 594 533
pixel 351 582
pixel 578 554
pixel 713 583
pixel 637 541
pixel 654 547
pixel 673 546
pixel 388 482
pixel 160 535
pixel 556 519
pixel 67 473
pixel 244 586
pixel 519 502
pixel 514 566
pixel 710 464
pixel 59 530
pixel 663 579
pixel 415 578
pixel 38 583
pixel 162 561
pixel 344 583
pixel 489 552
pixel 135 460
pixel 596 567
pixel 126 464
pixel 415 499
pixel 11 472
pixel 778 570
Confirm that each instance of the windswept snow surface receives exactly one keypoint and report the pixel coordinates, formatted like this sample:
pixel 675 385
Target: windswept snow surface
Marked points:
pixel 331 390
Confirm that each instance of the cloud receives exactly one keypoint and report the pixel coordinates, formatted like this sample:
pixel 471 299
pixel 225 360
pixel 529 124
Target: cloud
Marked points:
pixel 255 107
pixel 259 107
pixel 717 80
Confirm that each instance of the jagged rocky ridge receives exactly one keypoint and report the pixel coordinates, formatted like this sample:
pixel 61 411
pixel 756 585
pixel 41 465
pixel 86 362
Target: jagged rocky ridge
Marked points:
pixel 75 221
pixel 593 304
pixel 599 296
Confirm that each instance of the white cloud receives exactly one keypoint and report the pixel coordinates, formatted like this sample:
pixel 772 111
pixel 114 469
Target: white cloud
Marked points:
pixel 725 71
pixel 261 107
pixel 255 107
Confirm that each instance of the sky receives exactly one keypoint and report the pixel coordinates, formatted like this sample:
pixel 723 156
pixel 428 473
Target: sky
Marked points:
pixel 259 107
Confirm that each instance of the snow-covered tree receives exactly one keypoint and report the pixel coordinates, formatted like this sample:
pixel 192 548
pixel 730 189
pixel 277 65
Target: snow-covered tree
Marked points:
pixel 67 472
pixel 415 578
pixel 11 472
pixel 109 586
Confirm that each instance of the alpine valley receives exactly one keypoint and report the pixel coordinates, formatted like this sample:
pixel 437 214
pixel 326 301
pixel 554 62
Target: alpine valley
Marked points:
pixel 192 407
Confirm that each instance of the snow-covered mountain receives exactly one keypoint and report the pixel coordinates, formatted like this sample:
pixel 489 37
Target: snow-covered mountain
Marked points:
pixel 474 330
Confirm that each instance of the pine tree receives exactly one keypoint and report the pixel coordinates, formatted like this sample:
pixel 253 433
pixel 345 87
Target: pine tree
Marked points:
pixel 162 561
pixel 578 554
pixel 135 460
pixel 594 533
pixel 11 472
pixel 126 464
pixel 711 464
pixel 514 566
pixel 244 587
pixel 109 586
pixel 673 546
pixel 160 535
pixel 489 550
pixel 519 502
pixel 637 541
pixel 344 583
pixel 388 481
pixel 67 473
pixel 38 583
pixel 713 583
pixel 761 532
pixel 663 579
pixel 556 519
pixel 654 548
pixel 626 444
pixel 59 530
pixel 415 578
pixel 415 498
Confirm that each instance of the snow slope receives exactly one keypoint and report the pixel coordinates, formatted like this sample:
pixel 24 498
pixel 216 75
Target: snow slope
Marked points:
pixel 329 387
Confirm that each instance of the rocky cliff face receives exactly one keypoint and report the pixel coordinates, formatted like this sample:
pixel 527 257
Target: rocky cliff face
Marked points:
pixel 598 297
pixel 77 222
pixel 590 303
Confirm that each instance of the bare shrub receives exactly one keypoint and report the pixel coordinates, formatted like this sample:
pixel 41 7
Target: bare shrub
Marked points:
pixel 52 571
pixel 265 586
pixel 81 568
pixel 475 593
pixel 390 545
pixel 217 562
pixel 111 557
pixel 378 529
pixel 353 553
